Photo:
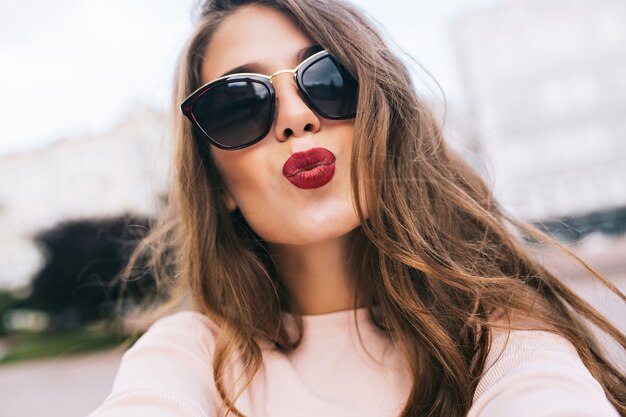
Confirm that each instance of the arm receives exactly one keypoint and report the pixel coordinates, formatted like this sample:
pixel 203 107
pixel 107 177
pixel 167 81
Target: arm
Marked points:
pixel 166 373
pixel 538 374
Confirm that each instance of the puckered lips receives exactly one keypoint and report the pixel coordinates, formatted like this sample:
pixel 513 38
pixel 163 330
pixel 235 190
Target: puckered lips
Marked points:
pixel 312 168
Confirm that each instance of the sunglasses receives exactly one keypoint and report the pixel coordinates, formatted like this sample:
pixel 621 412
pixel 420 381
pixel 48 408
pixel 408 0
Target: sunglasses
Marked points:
pixel 237 110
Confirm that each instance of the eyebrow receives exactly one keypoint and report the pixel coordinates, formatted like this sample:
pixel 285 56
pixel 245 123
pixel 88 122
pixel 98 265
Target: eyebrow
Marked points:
pixel 256 67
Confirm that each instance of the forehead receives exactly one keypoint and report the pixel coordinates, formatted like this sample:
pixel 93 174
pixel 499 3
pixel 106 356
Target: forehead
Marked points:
pixel 253 34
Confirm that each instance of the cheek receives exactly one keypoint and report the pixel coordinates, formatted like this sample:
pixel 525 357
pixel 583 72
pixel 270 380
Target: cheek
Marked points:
pixel 246 174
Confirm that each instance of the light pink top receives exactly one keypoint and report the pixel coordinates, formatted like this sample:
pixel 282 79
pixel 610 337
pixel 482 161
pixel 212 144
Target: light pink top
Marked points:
pixel 167 373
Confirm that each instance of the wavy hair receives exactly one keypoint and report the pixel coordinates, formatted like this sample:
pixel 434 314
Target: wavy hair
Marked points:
pixel 437 255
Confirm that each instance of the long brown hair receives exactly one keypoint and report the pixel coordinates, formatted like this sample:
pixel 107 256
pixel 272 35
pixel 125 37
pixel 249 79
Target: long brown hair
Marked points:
pixel 437 254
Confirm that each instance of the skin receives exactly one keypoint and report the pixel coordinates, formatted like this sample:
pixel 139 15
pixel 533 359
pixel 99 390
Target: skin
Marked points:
pixel 306 230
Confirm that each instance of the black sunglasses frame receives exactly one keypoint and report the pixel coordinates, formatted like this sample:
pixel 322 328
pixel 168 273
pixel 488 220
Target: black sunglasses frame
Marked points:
pixel 265 80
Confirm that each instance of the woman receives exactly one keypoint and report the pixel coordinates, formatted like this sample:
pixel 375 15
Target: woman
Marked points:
pixel 332 256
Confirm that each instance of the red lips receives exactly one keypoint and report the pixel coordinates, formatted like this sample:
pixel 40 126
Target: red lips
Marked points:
pixel 310 169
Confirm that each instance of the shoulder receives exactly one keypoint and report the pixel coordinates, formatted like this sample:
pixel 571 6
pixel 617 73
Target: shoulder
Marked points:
pixel 537 372
pixel 168 367
pixel 185 338
pixel 188 326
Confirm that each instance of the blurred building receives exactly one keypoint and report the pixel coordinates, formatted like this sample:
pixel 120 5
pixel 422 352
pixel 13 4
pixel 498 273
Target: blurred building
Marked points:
pixel 546 81
pixel 460 133
pixel 124 170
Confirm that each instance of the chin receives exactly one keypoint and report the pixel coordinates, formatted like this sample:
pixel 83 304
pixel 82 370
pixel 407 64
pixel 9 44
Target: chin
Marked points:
pixel 317 233
pixel 305 236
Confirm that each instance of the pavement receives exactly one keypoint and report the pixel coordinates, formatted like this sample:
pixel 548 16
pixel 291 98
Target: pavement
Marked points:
pixel 64 387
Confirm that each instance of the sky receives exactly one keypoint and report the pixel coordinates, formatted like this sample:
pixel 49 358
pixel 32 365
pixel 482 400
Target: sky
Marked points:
pixel 71 68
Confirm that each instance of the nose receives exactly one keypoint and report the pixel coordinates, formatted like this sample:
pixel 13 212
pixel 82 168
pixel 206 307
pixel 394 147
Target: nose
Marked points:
pixel 293 116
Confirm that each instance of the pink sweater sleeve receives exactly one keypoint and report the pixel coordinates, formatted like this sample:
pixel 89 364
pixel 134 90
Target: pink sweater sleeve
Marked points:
pixel 166 373
pixel 538 374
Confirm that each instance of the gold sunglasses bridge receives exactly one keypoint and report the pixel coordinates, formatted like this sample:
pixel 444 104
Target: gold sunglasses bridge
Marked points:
pixel 282 71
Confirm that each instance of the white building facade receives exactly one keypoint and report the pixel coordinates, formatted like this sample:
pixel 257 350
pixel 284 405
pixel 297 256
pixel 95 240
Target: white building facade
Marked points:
pixel 547 84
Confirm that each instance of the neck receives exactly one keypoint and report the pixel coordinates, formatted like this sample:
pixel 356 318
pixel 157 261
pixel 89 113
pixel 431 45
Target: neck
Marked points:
pixel 317 275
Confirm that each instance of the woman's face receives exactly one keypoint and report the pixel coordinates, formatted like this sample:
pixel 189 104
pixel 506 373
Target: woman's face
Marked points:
pixel 277 210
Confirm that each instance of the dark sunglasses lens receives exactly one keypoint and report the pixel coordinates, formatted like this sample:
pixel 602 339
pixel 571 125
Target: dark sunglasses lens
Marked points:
pixel 331 88
pixel 234 113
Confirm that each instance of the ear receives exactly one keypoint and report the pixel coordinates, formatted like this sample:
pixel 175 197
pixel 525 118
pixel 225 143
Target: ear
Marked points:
pixel 230 202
